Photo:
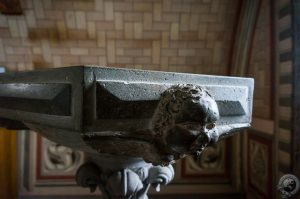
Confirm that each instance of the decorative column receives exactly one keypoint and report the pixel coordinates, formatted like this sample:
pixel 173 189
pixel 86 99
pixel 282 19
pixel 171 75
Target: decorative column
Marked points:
pixel 133 124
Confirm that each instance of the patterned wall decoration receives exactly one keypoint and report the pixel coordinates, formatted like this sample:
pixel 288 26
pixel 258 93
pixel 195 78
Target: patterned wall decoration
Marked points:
pixel 213 163
pixel 46 168
pixel 55 161
pixel 284 92
pixel 288 104
pixel 254 48
pixel 260 164
pixel 260 143
pixel 296 88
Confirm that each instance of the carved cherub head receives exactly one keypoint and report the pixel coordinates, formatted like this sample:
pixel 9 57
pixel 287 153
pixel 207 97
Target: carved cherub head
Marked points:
pixel 184 121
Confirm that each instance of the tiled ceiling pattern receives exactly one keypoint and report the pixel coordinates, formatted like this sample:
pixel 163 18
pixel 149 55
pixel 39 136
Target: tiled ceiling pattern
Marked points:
pixel 171 35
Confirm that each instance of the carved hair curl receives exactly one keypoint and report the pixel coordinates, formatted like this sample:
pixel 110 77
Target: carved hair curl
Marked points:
pixel 183 102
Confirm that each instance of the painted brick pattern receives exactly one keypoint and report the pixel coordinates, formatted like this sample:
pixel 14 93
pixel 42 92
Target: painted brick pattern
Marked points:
pixel 284 84
pixel 173 35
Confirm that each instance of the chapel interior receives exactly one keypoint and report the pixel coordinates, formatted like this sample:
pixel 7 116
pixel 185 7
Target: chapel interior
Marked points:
pixel 242 38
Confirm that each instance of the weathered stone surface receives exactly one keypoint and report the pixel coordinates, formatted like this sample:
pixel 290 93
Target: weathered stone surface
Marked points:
pixel 157 116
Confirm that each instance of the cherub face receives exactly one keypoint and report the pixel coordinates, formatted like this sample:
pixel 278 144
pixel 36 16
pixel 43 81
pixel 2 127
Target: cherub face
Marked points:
pixel 189 138
pixel 194 126
pixel 184 122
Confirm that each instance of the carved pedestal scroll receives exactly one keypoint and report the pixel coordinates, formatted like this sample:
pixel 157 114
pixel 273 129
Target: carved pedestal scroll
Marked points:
pixel 124 183
pixel 133 124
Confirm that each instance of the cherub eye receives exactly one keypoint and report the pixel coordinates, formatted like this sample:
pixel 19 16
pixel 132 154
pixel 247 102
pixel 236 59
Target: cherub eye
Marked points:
pixel 210 125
